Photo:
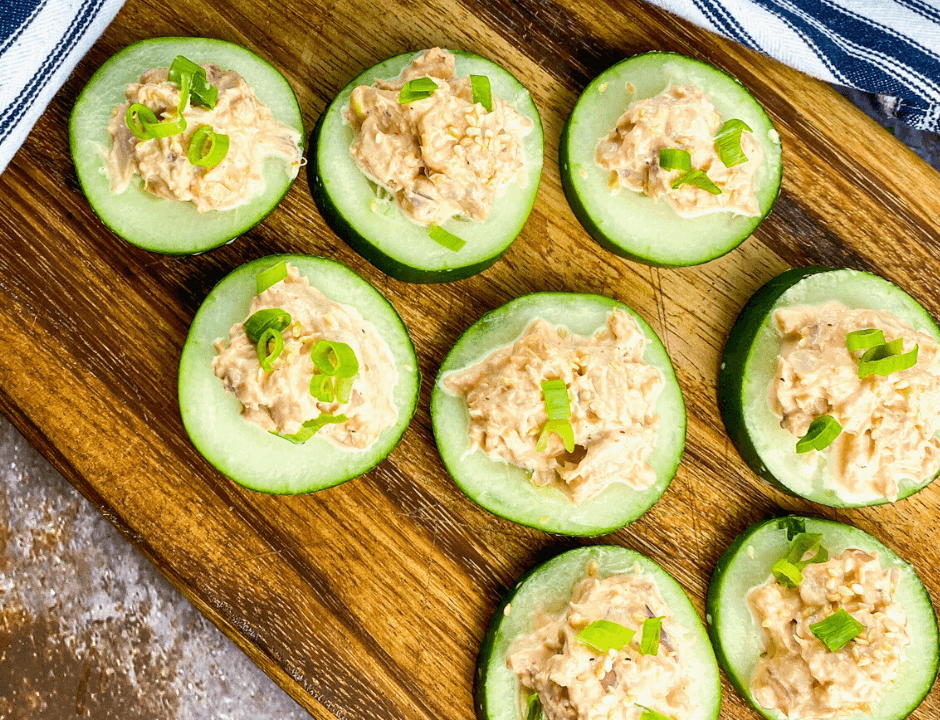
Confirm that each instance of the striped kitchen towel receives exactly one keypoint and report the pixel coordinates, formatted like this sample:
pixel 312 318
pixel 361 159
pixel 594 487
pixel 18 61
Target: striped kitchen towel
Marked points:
pixel 887 47
pixel 41 41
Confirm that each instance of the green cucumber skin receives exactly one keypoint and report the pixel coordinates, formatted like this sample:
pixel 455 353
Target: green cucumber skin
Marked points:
pixel 577 206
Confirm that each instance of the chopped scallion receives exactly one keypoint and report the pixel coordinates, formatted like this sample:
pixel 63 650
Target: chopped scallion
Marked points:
pixel 344 388
pixel 321 387
pixel 649 641
pixel 207 148
pixel 562 428
pixel 649 714
pixel 334 358
pixel 728 143
pixel 886 359
pixel 864 339
pixel 788 570
pixel 480 84
pixel 555 397
pixel 675 159
pixel 417 89
pixel 699 179
pixel 534 709
pixel 269 318
pixel 837 630
pixel 793 525
pixel 822 431
pixel 270 346
pixel 267 278
pixel 311 428
pixel 137 117
pixel 446 239
pixel 605 635
pixel 201 91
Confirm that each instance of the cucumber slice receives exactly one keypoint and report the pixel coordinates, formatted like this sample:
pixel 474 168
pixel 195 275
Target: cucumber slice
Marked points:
pixel 548 588
pixel 737 638
pixel 749 363
pixel 630 224
pixel 146 220
pixel 386 238
pixel 243 451
pixel 504 489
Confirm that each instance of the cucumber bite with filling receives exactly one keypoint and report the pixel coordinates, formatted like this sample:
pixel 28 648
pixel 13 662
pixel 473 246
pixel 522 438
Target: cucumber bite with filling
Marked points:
pixel 296 375
pixel 561 412
pixel 597 633
pixel 815 619
pixel 428 164
pixel 182 144
pixel 669 161
pixel 830 387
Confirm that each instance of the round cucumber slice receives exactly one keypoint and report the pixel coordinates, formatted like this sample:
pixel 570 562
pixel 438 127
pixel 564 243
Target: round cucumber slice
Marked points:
pixel 141 218
pixel 504 489
pixel 749 363
pixel 630 224
pixel 547 588
pixel 242 450
pixel 383 235
pixel 737 637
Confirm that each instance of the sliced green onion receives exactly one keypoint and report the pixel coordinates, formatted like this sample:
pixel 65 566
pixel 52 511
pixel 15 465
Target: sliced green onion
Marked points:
pixel 651 714
pixel 270 346
pixel 202 92
pixel 267 319
pixel 267 278
pixel 448 240
pixel 135 118
pixel 793 525
pixel 480 84
pixel 728 143
pixel 562 428
pixel 417 89
pixel 822 431
pixel 864 339
pixel 885 359
pixel 534 709
pixel 649 641
pixel 604 635
pixel 167 128
pixel 311 428
pixel 555 397
pixel 321 387
pixel 207 148
pixel 334 358
pixel 788 570
pixel 699 179
pixel 675 159
pixel 837 629
pixel 344 388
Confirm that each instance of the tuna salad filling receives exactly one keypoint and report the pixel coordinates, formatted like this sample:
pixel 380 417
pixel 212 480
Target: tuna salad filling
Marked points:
pixel 577 681
pixel 612 396
pixel 163 163
pixel 281 400
pixel 441 155
pixel 680 118
pixel 889 422
pixel 798 674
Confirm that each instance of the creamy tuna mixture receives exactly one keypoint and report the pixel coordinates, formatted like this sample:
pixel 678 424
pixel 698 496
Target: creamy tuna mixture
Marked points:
pixel 888 422
pixel 280 401
pixel 162 163
pixel 798 674
pixel 682 117
pixel 612 394
pixel 440 156
pixel 575 682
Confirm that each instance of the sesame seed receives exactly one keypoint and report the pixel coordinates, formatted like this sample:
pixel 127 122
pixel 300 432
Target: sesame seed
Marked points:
pixel 592 567
pixel 630 88
pixel 507 609
pixel 858 589
pixel 582 172
pixel 862 662
pixel 458 151
pixel 473 131
pixel 602 88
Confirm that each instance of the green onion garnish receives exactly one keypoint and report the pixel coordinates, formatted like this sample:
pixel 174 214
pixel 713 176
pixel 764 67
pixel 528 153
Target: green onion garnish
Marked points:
pixel 267 278
pixel 534 707
pixel 864 339
pixel 699 179
pixel 728 143
pixel 651 714
pixel 311 427
pixel 448 240
pixel 649 642
pixel 321 387
pixel 344 388
pixel 142 121
pixel 269 318
pixel 480 84
pixel 604 635
pixel 201 92
pixel 885 359
pixel 793 525
pixel 837 629
pixel 555 396
pixel 822 431
pixel 207 148
pixel 334 358
pixel 675 159
pixel 270 346
pixel 788 570
pixel 417 89
pixel 562 428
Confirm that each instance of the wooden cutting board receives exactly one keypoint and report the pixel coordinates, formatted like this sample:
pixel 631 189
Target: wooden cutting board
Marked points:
pixel 369 600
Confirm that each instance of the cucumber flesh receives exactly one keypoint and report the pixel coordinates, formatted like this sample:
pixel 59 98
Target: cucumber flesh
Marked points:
pixel 384 236
pixel 737 638
pixel 242 450
pixel 505 489
pixel 548 588
pixel 141 218
pixel 749 363
pixel 630 224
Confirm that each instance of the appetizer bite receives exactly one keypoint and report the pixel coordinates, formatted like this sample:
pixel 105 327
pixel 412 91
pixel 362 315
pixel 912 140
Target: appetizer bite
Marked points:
pixel 668 161
pixel 597 632
pixel 816 619
pixel 183 144
pixel 561 412
pixel 296 375
pixel 428 164
pixel 830 387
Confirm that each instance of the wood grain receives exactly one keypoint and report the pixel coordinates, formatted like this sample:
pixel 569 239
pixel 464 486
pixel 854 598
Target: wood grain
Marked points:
pixel 369 600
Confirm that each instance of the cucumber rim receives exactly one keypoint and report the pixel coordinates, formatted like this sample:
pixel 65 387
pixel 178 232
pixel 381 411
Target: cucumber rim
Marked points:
pixel 580 191
pixel 210 413
pixel 754 325
pixel 496 688
pixel 545 508
pixel 336 191
pixel 200 232
pixel 728 569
